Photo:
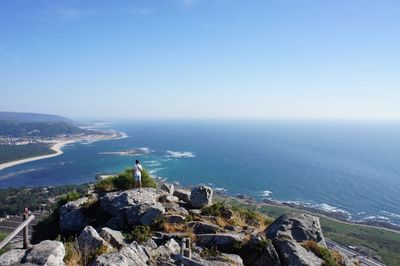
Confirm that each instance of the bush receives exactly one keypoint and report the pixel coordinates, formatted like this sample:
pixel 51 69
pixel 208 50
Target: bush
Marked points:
pixel 217 209
pixel 70 196
pixel 140 234
pixel 124 181
pixel 321 252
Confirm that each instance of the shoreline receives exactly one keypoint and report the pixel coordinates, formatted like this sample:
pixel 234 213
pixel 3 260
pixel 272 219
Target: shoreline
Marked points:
pixel 57 148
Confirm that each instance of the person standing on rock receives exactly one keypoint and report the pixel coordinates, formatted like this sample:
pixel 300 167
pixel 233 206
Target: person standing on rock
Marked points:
pixel 137 172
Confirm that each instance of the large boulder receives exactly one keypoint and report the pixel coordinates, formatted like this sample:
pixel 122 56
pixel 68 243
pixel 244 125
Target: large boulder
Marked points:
pixel 71 216
pixel 223 242
pixel 204 228
pixel 132 255
pixel 201 196
pixel 182 194
pixel 287 234
pixel 152 214
pixel 114 203
pixel 260 251
pixel 90 241
pixel 49 253
pixel 12 257
pixel 169 188
pixel 115 238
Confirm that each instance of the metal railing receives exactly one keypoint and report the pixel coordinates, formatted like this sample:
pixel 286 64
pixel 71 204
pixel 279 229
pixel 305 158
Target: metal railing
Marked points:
pixel 26 219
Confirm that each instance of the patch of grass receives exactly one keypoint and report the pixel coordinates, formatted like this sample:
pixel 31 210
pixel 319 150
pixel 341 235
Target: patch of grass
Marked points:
pixel 322 253
pixel 70 196
pixel 3 235
pixel 140 234
pixel 124 181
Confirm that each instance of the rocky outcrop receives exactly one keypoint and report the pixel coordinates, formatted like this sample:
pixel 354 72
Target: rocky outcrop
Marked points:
pixel 223 242
pixel 152 214
pixel 72 217
pixel 132 255
pixel 90 241
pixel 260 251
pixel 183 195
pixel 12 257
pixel 201 196
pixel 204 228
pixel 114 203
pixel 115 238
pixel 289 231
pixel 49 253
pixel 169 188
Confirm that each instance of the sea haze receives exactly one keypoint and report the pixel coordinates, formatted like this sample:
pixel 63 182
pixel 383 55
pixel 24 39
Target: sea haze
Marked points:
pixel 350 166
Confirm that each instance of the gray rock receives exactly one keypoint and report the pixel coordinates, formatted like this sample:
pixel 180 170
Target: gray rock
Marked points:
pixel 168 198
pixel 223 260
pixel 132 255
pixel 261 252
pixel 289 231
pixel 204 228
pixel 114 203
pixel 90 241
pixel 72 217
pixel 182 194
pixel 115 238
pixel 174 218
pixel 201 196
pixel 150 243
pixel 223 242
pixel 166 250
pixel 49 253
pixel 152 214
pixel 12 257
pixel 169 188
pixel 298 226
pixel 116 223
pixel 175 208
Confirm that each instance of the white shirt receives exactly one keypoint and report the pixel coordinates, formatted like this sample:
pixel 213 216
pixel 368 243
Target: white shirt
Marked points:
pixel 137 170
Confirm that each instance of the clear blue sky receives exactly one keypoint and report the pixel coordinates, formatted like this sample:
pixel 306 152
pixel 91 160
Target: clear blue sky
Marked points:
pixel 199 58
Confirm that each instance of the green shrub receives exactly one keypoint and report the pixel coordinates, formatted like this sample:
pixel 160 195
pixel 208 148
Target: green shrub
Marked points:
pixel 248 215
pixel 124 181
pixel 6 248
pixel 140 234
pixel 70 196
pixel 321 252
pixel 217 209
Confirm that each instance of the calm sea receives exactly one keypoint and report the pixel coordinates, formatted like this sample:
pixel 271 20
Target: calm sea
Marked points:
pixel 349 166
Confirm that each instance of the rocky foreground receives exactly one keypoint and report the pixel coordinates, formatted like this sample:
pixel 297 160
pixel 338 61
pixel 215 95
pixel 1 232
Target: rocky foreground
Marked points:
pixel 170 226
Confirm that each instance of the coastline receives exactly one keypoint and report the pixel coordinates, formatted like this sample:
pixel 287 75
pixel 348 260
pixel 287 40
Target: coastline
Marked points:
pixel 57 148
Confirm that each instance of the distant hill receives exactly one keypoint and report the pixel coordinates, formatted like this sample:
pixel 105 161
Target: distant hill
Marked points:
pixel 33 117
pixel 42 129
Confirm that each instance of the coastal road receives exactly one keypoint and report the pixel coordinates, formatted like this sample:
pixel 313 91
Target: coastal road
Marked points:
pixel 8 225
pixel 352 253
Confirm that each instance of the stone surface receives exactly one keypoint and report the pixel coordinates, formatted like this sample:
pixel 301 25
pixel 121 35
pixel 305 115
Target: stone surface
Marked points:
pixel 116 223
pixel 182 194
pixel 152 214
pixel 174 218
pixel 223 242
pixel 169 188
pixel 12 257
pixel 114 203
pixel 90 241
pixel 289 231
pixel 261 252
pixel 72 217
pixel 164 252
pixel 115 238
pixel 133 255
pixel 174 208
pixel 204 228
pixel 201 196
pixel 49 253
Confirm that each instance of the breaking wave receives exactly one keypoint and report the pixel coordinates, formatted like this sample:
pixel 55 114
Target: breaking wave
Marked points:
pixel 179 154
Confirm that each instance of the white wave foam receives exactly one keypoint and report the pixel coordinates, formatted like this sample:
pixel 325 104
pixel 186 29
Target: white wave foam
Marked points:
pixel 266 193
pixel 155 170
pixel 179 154
pixel 220 189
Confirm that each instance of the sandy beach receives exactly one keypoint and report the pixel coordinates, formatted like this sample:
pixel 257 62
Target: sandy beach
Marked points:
pixel 57 148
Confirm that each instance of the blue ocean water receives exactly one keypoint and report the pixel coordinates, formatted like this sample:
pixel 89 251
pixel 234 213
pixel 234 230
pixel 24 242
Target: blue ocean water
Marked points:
pixel 347 166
